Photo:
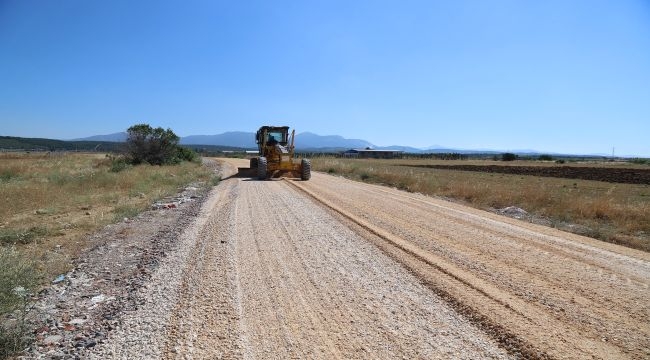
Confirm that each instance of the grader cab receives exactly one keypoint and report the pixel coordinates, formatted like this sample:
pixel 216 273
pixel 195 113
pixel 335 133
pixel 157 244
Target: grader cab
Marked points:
pixel 276 155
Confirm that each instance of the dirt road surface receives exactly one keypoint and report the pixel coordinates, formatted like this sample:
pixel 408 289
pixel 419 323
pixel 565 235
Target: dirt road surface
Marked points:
pixel 331 268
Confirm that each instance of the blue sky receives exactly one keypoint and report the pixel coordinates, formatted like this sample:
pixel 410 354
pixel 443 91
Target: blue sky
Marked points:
pixel 554 76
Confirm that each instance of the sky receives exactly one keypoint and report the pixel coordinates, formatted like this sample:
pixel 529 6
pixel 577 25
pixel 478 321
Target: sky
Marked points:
pixel 564 76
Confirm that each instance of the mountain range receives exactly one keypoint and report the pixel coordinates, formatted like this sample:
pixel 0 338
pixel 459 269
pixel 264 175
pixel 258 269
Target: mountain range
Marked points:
pixel 305 141
pixel 241 139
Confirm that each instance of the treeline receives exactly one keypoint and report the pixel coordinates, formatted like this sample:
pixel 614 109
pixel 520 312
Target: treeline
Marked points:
pixel 12 143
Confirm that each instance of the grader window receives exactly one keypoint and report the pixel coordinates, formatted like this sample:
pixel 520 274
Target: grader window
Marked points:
pixel 275 137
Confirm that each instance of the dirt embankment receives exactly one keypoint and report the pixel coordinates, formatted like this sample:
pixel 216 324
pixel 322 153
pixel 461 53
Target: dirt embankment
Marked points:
pixel 614 175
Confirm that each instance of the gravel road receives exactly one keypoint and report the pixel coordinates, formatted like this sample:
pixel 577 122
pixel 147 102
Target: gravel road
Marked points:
pixel 331 268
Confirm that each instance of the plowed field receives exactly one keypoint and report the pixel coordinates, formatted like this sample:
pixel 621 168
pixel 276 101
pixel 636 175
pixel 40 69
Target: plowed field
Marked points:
pixel 614 175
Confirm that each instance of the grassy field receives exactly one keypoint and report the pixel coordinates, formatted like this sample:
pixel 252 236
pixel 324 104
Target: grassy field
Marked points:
pixel 52 201
pixel 617 213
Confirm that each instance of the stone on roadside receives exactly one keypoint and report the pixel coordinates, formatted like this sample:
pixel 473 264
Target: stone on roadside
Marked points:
pixel 52 339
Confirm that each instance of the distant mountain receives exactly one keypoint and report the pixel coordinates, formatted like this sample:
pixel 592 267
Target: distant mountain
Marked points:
pixel 116 137
pixel 239 139
pixel 304 140
pixel 311 140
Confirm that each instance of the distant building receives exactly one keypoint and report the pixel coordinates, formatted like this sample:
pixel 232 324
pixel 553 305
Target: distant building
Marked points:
pixel 373 154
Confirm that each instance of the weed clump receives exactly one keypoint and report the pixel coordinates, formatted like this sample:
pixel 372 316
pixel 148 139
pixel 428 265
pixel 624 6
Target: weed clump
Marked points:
pixel 21 236
pixel 118 164
pixel 18 280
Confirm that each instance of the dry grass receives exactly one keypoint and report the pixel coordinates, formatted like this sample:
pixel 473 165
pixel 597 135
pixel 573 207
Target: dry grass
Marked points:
pixel 618 213
pixel 52 201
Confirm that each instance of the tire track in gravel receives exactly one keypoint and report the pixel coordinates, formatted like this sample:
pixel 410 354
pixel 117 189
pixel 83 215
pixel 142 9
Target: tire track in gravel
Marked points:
pixel 527 277
pixel 292 281
pixel 205 319
pixel 492 268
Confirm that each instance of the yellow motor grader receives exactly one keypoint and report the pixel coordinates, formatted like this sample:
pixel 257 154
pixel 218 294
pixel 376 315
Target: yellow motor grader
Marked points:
pixel 276 155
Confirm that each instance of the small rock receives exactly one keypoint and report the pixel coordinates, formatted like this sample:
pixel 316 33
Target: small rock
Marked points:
pixel 58 279
pixel 97 299
pixel 41 212
pixel 514 212
pixel 52 339
pixel 87 212
pixel 77 321
pixel 55 355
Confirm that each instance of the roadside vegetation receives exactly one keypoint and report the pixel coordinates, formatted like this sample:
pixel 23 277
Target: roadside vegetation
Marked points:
pixel 612 212
pixel 54 200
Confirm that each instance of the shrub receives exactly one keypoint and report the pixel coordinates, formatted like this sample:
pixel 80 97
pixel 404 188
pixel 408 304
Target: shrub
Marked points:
pixel 186 154
pixel 545 158
pixel 153 146
pixel 508 157
pixel 118 164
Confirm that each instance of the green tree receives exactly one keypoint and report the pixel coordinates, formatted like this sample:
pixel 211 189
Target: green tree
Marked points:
pixel 154 146
pixel 508 157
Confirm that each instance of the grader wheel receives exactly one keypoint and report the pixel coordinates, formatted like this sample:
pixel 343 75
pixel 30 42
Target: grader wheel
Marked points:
pixel 253 163
pixel 261 168
pixel 305 173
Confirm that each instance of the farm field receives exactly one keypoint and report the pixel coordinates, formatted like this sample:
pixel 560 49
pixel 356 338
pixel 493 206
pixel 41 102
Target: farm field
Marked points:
pixel 606 174
pixel 613 210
